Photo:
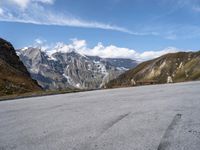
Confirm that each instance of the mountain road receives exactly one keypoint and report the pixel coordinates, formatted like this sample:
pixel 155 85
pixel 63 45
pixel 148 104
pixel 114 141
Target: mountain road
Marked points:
pixel 155 117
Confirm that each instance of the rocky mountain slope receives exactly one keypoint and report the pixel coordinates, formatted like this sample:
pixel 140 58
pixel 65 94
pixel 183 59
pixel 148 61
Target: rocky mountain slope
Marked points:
pixel 174 67
pixel 58 69
pixel 14 77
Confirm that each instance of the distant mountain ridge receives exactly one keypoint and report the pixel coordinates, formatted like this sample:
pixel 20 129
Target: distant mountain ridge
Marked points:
pixel 178 67
pixel 60 69
pixel 14 77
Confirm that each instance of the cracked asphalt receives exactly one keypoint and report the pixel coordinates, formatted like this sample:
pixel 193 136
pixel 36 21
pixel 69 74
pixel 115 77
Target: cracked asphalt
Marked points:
pixel 157 117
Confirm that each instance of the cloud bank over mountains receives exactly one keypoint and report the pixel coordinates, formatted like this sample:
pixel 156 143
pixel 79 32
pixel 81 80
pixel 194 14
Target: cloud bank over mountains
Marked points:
pixel 109 51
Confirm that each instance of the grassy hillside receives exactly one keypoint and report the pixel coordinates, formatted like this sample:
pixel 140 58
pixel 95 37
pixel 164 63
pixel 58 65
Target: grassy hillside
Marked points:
pixel 14 77
pixel 181 66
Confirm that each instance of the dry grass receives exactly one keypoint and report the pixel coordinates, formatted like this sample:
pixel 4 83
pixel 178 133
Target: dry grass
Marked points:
pixel 152 70
pixel 39 93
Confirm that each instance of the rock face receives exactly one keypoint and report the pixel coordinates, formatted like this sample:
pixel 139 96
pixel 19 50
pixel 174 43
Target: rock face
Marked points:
pixel 14 77
pixel 169 79
pixel 174 67
pixel 69 69
pixel 124 64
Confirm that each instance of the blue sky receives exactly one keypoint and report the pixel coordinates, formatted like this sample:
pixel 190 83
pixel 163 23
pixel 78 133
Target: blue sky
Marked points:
pixel 139 25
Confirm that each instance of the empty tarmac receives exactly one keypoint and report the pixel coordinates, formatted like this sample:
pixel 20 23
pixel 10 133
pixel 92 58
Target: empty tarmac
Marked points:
pixel 157 117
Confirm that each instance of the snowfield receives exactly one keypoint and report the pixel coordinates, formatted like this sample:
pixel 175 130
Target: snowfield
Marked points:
pixel 157 117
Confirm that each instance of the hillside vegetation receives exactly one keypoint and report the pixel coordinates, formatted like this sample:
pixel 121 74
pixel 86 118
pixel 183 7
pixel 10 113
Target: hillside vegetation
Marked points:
pixel 181 66
pixel 14 77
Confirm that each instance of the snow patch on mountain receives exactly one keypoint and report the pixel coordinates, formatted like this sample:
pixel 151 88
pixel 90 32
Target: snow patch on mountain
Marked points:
pixel 64 66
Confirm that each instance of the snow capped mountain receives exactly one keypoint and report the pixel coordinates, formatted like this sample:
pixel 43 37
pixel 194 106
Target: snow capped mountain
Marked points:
pixel 63 48
pixel 123 64
pixel 64 67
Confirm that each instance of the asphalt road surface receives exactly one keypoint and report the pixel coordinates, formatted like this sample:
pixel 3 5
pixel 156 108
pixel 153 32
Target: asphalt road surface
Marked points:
pixel 158 117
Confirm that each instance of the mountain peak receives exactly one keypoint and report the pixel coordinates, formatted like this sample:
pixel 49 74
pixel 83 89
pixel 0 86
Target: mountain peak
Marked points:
pixel 61 47
pixel 64 67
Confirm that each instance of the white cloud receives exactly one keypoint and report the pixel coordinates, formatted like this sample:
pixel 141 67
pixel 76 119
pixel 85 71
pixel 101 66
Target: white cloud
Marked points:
pixel 39 41
pixel 110 51
pixel 48 18
pixel 35 13
pixel 44 1
pixel 25 3
pixel 79 44
pixel 147 55
pixel 1 12
pixel 113 51
pixel 20 3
